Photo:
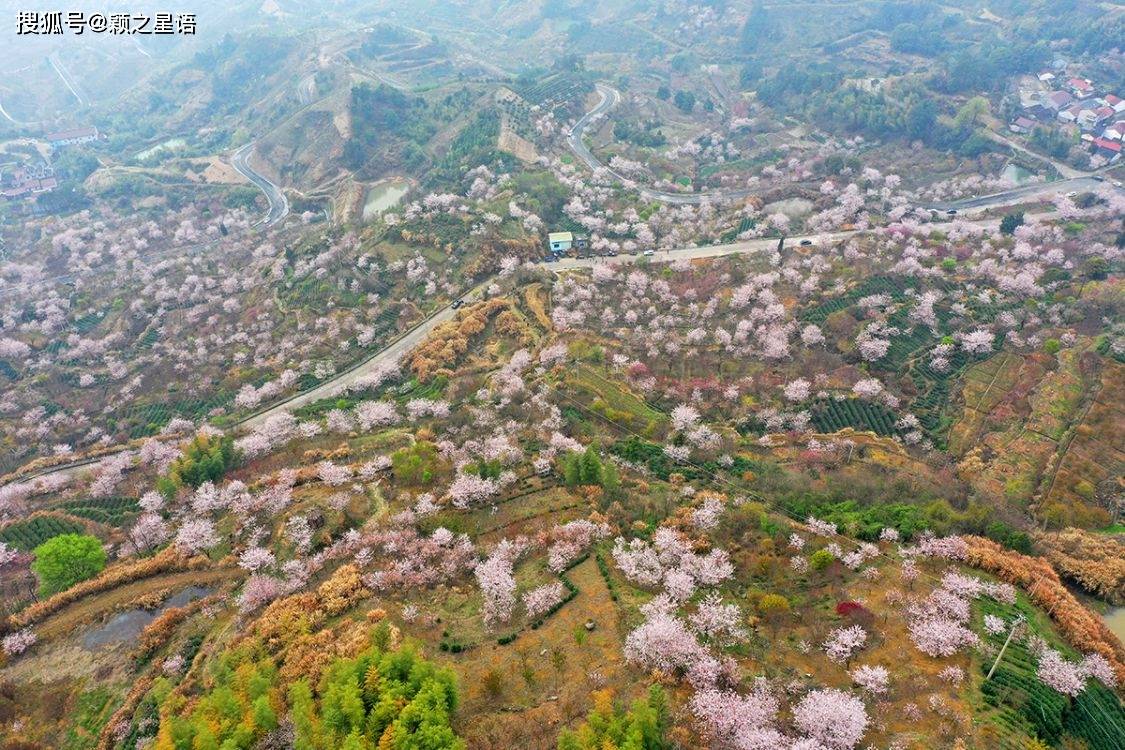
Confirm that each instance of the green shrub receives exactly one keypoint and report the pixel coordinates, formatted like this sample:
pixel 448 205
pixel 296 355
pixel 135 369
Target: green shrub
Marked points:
pixel 205 459
pixel 643 727
pixel 821 559
pixel 65 560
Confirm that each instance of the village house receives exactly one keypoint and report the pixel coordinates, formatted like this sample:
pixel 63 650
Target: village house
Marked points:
pixel 1057 101
pixel 1087 118
pixel 1107 149
pixel 1080 86
pixel 1022 125
pixel 560 242
pixel 1115 132
pixel 29 180
pixel 1070 114
pixel 73 136
pixel 563 242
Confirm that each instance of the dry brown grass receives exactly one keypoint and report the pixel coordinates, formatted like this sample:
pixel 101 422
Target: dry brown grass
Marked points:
pixel 1095 561
pixel 1082 628
pixel 535 299
pixel 449 341
pixel 546 674
pixel 91 608
pixel 113 577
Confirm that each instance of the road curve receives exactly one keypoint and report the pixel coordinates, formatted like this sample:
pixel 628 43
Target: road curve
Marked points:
pixel 406 342
pixel 610 98
pixel 1015 195
pixel 278 203
pixel 391 353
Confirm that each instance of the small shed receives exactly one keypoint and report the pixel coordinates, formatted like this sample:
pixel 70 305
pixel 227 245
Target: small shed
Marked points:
pixel 560 242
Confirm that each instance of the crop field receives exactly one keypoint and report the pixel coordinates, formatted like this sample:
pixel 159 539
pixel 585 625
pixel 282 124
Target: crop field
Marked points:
pixel 549 671
pixel 1091 455
pixel 554 90
pixel 28 534
pixel 830 415
pixel 109 511
pixel 890 285
pixel 984 386
pixel 611 400
pixel 1027 706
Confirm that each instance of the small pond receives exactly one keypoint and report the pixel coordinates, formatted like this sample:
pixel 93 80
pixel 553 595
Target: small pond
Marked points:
pixel 125 626
pixel 1115 618
pixel 1016 174
pixel 794 208
pixel 383 196
pixel 170 145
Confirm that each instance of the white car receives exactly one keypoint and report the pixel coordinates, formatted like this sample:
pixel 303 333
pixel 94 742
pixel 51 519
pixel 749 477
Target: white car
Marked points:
pixel 649 252
pixel 1072 194
pixel 1117 183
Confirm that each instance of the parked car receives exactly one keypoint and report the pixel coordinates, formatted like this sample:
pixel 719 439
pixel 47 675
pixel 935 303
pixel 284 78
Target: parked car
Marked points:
pixel 457 303
pixel 1072 194
pixel 806 243
pixel 648 252
pixel 951 212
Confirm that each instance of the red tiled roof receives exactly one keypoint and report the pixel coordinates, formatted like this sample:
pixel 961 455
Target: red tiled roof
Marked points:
pixel 1108 145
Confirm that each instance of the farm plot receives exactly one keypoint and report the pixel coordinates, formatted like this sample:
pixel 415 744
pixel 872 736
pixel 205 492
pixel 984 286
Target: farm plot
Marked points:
pixel 892 286
pixel 832 415
pixel 1025 705
pixel 29 533
pixel 612 400
pixel 1092 455
pixel 984 386
pixel 546 673
pixel 110 511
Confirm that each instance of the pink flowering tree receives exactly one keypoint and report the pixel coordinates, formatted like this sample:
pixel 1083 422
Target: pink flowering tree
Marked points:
pixel 197 535
pixel 834 718
pixel 874 679
pixel 497 584
pixel 842 643
pixel 739 721
pixel 541 600
pixel 16 643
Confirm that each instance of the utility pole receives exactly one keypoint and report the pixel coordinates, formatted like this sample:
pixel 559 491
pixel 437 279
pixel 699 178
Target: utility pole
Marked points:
pixel 1015 626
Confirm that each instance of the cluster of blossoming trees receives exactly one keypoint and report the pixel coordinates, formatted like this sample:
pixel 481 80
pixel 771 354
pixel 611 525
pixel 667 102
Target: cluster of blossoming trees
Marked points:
pixel 688 629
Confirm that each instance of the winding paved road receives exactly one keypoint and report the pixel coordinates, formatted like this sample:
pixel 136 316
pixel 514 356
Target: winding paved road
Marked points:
pixel 611 97
pixel 1019 194
pixel 392 353
pixel 406 342
pixel 279 204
